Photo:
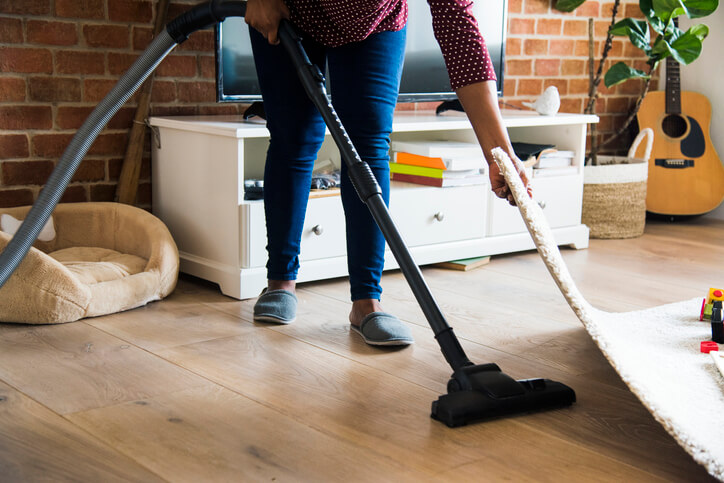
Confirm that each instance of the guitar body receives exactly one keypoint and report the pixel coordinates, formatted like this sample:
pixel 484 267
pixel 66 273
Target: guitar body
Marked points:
pixel 686 176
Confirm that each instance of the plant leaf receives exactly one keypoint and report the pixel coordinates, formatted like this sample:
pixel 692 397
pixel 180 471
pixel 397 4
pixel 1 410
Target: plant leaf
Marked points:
pixel 700 8
pixel 637 31
pixel 621 72
pixel 648 11
pixel 700 31
pixel 569 5
pixel 687 48
pixel 668 9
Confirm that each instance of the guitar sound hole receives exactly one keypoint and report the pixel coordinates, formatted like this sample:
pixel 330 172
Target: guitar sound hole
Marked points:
pixel 674 126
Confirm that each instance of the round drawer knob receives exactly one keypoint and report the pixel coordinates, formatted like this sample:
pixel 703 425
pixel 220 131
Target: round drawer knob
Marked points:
pixel 439 216
pixel 542 204
pixel 318 230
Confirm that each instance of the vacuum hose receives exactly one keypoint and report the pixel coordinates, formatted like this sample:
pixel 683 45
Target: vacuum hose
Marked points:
pixel 177 31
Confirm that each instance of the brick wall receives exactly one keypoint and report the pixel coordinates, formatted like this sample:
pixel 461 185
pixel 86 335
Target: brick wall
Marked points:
pixel 58 58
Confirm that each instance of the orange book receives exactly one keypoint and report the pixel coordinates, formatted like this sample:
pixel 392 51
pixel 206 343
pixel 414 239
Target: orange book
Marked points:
pixel 417 160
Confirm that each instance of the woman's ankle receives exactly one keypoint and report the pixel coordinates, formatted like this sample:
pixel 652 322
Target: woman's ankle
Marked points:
pixel 288 285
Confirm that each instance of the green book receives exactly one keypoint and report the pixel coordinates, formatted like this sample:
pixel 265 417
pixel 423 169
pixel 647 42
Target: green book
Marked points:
pixel 431 172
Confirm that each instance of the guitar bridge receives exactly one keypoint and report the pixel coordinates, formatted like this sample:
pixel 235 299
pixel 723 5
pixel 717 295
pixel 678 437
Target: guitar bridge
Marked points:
pixel 675 163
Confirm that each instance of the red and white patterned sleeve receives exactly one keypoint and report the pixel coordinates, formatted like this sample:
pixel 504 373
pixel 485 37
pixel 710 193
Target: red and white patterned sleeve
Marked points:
pixel 463 47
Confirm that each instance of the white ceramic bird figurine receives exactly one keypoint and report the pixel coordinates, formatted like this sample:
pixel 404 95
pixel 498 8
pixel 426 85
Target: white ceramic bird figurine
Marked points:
pixel 548 103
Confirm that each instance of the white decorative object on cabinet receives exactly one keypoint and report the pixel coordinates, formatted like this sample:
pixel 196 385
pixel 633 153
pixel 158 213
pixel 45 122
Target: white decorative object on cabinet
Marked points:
pixel 200 164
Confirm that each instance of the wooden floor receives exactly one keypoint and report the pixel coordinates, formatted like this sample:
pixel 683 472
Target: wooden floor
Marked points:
pixel 189 389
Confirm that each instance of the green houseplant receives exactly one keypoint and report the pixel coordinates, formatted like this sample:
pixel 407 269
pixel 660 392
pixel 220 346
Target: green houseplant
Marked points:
pixel 614 190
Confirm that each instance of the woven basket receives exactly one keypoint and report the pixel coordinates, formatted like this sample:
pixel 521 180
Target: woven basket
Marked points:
pixel 614 193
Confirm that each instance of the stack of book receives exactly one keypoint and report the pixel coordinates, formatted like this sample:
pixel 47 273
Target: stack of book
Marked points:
pixel 553 162
pixel 437 163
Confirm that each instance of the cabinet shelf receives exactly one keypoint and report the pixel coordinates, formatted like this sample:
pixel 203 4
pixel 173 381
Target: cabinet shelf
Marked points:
pixel 198 190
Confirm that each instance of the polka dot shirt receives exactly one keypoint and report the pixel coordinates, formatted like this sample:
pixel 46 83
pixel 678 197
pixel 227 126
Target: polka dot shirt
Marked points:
pixel 338 22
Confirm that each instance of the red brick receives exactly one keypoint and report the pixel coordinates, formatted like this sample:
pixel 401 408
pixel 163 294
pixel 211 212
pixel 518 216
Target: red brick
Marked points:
pixel 110 144
pixel 50 145
pixel 12 89
pixel 548 67
pixel 519 67
pixel 509 87
pixel 607 10
pixel 72 117
pixel 26 117
pixel 174 110
pixel 536 6
pixel 20 173
pixel 620 104
pixel 79 62
pixel 219 109
pixel 107 36
pixel 630 50
pixel 589 9
pixel 196 91
pixel 90 170
pixel 207 66
pixel 163 91
pixel 177 66
pixel 600 28
pixel 548 26
pixel 96 89
pixel 632 86
pixel 14 146
pixel 521 26
pixel 14 197
pixel 581 49
pixel 142 36
pixel 535 47
pixel 561 85
pixel 25 7
pixel 573 67
pixel 123 119
pixel 24 60
pixel 616 48
pixel 631 10
pixel 530 87
pixel 513 46
pixel 80 8
pixel 575 28
pixel 574 105
pixel 561 47
pixel 515 6
pixel 119 63
pixel 51 33
pixel 114 168
pixel 143 196
pixel 130 11
pixel 578 86
pixel 202 41
pixel 11 30
pixel 103 192
pixel 74 194
pixel 54 89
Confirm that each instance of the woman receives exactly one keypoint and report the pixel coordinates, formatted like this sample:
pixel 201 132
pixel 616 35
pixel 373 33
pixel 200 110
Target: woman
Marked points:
pixel 362 42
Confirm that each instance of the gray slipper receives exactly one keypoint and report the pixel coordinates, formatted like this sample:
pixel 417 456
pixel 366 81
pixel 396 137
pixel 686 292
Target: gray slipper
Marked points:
pixel 277 306
pixel 381 328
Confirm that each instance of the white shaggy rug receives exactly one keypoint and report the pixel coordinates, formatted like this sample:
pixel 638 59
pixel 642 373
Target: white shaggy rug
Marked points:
pixel 655 351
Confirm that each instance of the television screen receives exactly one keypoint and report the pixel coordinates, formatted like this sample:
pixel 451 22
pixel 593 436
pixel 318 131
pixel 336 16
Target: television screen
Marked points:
pixel 424 77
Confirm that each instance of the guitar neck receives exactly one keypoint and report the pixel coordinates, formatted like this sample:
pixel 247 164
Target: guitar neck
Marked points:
pixel 673 87
pixel 673 83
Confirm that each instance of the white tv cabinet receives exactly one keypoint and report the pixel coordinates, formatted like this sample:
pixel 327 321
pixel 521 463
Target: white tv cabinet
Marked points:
pixel 200 164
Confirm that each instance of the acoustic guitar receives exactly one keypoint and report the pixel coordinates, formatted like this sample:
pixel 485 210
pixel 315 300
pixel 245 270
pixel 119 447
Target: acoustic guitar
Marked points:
pixel 686 176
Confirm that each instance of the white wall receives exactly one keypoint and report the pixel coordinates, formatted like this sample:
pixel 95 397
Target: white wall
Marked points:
pixel 705 75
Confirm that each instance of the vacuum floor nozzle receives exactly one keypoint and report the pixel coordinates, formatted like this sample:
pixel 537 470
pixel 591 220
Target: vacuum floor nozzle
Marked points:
pixel 484 392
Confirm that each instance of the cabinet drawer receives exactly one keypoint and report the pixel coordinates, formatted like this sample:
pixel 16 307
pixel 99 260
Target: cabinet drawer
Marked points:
pixel 426 215
pixel 323 235
pixel 560 197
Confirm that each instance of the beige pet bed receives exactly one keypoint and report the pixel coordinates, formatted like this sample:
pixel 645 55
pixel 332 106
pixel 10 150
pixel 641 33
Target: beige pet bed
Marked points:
pixel 91 259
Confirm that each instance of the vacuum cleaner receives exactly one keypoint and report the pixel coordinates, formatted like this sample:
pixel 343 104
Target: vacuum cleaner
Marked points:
pixel 475 391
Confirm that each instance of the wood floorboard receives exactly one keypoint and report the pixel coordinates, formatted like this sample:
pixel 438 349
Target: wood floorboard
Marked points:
pixel 38 444
pixel 190 389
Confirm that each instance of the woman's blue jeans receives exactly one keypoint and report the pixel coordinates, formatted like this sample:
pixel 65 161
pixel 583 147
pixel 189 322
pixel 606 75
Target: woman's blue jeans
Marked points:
pixel 364 80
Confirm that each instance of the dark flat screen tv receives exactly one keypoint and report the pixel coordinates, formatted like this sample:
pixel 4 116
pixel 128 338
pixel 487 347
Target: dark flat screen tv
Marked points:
pixel 424 76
